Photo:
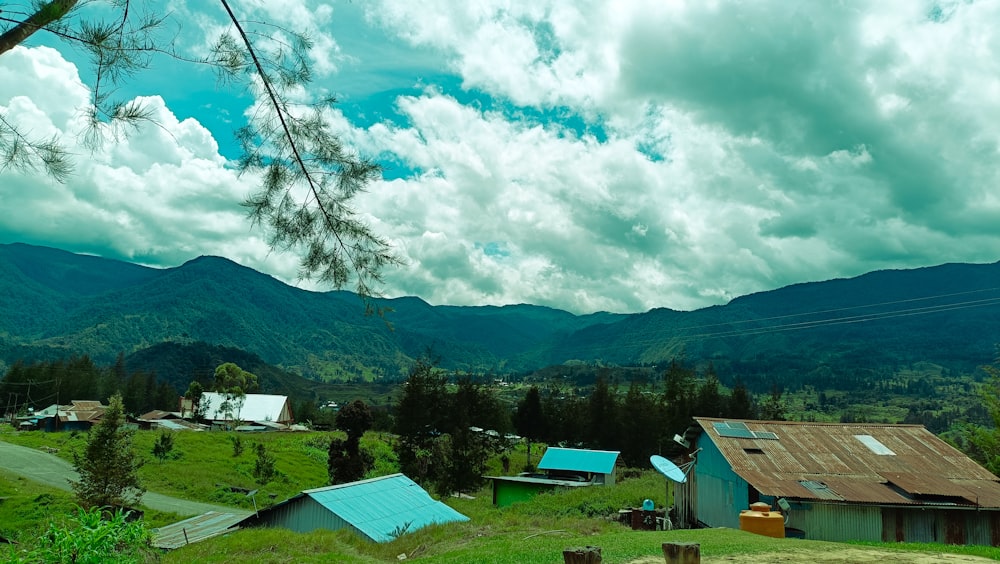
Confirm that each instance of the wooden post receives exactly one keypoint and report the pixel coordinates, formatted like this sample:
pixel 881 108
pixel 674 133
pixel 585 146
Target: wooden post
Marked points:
pixel 582 555
pixel 682 552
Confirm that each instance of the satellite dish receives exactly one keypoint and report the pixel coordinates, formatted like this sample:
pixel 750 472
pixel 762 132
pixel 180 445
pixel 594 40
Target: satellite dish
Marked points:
pixel 668 469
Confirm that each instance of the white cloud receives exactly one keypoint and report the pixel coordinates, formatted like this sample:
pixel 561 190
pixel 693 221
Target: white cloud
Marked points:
pixel 161 196
pixel 599 155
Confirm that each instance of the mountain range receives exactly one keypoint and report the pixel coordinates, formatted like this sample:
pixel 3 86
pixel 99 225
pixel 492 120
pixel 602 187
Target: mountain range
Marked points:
pixel 54 303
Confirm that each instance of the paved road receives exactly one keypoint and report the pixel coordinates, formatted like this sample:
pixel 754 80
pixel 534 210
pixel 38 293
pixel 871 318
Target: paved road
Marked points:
pixel 56 472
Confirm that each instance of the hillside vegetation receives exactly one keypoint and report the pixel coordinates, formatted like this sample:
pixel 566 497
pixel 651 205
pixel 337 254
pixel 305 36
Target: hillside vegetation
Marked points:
pixel 860 328
pixel 529 532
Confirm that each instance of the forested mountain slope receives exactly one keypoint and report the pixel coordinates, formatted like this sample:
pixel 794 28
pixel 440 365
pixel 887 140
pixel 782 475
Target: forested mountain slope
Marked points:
pixel 56 303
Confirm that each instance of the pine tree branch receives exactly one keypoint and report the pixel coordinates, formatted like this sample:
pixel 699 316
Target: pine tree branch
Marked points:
pixel 45 15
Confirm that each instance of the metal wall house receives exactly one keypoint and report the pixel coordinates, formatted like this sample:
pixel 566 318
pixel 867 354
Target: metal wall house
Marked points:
pixel 379 509
pixel 840 481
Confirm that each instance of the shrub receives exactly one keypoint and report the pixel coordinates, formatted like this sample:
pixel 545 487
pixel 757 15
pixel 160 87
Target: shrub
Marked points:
pixel 88 538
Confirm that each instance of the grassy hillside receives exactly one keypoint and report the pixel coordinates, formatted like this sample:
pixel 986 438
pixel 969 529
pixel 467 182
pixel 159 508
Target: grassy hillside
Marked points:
pixel 529 532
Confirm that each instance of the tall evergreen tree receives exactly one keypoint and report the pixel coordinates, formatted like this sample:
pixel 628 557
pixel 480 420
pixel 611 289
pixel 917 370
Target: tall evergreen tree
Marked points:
pixel 529 419
pixel 420 419
pixel 602 417
pixel 641 426
pixel 346 460
pixel 740 405
pixel 109 467
pixel 678 397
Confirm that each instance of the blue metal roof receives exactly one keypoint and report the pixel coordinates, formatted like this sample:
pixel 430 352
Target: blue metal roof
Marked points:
pixel 383 508
pixel 596 461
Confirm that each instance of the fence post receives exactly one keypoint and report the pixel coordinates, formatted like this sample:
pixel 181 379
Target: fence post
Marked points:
pixel 582 555
pixel 682 552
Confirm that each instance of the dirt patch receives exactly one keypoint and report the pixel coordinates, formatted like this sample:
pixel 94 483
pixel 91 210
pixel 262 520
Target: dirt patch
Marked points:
pixel 839 556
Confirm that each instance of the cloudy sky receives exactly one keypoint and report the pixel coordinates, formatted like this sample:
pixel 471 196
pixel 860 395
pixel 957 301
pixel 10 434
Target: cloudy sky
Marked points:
pixel 588 156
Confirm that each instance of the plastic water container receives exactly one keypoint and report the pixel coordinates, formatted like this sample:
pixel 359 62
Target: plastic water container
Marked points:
pixel 647 505
pixel 759 519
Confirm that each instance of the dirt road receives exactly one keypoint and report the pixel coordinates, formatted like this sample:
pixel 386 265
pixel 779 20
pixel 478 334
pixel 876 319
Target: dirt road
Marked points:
pixel 56 472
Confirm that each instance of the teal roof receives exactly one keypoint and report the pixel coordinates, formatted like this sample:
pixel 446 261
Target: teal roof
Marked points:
pixel 596 461
pixel 383 508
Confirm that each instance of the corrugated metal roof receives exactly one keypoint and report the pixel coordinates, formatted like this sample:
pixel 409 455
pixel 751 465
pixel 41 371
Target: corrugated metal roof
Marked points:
pixel 921 469
pixel 540 481
pixel 596 461
pixel 256 407
pixel 195 529
pixel 383 508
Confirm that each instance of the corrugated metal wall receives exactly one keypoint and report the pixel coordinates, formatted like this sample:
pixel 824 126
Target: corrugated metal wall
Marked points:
pixel 843 522
pixel 303 515
pixel 720 494
pixel 839 523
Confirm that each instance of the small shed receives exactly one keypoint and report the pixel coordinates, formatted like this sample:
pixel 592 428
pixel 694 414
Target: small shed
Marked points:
pixel 379 509
pixel 840 482
pixel 512 489
pixel 595 466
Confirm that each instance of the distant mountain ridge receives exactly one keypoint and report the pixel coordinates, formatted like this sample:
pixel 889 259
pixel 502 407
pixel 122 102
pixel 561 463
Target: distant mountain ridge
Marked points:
pixel 56 303
pixel 121 307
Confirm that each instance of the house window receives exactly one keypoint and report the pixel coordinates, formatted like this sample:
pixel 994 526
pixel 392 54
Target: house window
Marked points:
pixel 753 451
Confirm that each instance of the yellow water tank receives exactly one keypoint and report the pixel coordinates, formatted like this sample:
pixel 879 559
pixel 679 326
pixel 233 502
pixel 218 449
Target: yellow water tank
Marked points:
pixel 761 520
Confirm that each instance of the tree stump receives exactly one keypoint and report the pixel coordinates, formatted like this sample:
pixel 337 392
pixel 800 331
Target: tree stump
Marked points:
pixel 682 552
pixel 582 555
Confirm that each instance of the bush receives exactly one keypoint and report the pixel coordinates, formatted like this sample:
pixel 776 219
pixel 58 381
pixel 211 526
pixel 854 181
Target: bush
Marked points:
pixel 89 538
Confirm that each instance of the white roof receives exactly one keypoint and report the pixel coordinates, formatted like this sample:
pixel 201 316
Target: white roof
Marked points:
pixel 256 407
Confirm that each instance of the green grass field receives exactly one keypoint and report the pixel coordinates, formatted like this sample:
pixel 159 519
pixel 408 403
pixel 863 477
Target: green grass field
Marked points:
pixel 531 532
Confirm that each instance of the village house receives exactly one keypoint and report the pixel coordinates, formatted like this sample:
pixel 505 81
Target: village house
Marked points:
pixel 839 482
pixel 79 415
pixel 258 411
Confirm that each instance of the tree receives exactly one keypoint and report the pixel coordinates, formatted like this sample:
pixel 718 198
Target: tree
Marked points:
pixel 678 396
pixel 602 426
pixel 473 410
pixel 641 426
pixel 355 419
pixel 308 177
pixel 233 383
pixel 263 469
pixel 163 446
pixel 109 467
pixel 193 395
pixel 346 461
pixel 709 401
pixel 420 420
pixel 740 405
pixel 773 407
pixel 983 443
pixel 529 419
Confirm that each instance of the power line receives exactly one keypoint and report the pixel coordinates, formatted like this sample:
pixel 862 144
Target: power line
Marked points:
pixel 676 335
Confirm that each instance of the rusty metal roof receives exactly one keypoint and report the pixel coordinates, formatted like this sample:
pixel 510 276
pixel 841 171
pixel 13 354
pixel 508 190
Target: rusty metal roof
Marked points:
pixel 197 528
pixel 856 463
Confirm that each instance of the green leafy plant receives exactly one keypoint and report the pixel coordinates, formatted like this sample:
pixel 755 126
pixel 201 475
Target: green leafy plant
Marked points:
pixel 88 537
